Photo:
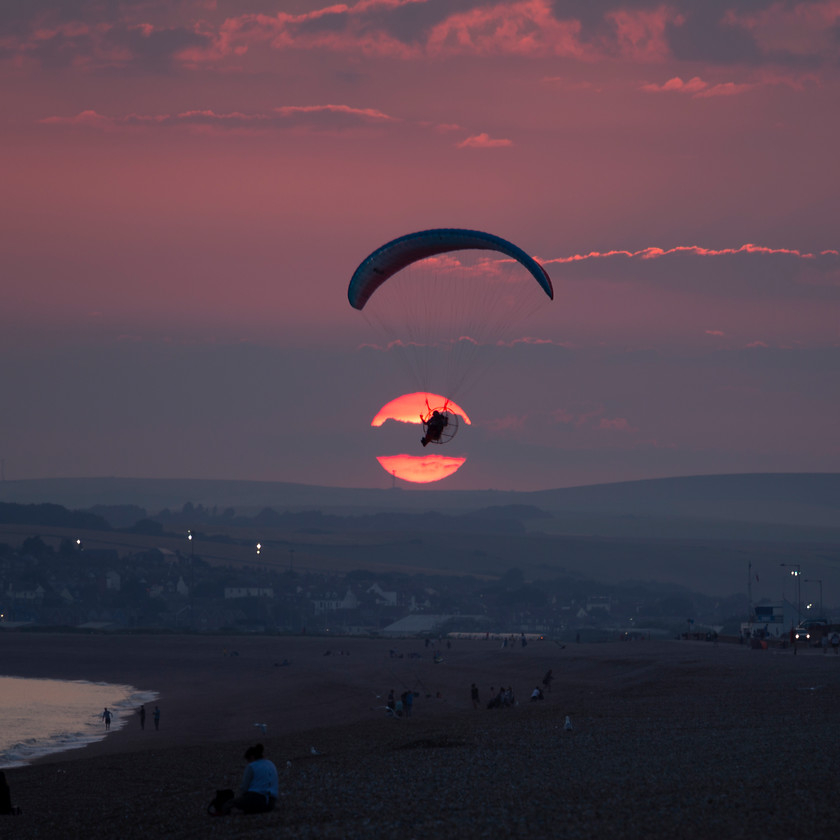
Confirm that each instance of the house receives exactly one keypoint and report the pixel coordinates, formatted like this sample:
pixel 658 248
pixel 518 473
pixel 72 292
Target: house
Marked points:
pixel 249 592
pixel 35 593
pixel 383 598
pixel 331 602
pixel 598 602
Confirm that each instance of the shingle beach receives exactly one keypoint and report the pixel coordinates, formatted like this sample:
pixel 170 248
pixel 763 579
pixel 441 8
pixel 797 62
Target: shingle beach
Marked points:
pixel 669 739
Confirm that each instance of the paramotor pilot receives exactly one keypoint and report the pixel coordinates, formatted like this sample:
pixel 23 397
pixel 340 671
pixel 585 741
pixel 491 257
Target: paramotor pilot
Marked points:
pixel 434 427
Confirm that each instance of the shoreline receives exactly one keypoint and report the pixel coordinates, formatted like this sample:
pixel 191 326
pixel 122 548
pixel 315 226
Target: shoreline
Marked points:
pixel 669 739
pixel 56 716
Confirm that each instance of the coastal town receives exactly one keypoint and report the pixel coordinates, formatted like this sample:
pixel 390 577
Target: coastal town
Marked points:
pixel 64 583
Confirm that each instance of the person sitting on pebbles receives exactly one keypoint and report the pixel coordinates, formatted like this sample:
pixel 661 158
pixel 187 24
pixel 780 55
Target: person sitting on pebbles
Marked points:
pixel 260 787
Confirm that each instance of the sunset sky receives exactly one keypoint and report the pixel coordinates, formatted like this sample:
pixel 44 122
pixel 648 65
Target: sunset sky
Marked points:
pixel 187 188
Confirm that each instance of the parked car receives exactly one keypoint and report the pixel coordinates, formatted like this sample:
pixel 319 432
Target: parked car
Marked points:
pixel 812 623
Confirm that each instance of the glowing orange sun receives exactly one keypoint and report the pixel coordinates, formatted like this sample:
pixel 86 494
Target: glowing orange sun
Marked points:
pixel 419 469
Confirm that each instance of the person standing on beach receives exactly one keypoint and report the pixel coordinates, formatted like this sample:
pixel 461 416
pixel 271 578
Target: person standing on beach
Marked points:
pixel 6 807
pixel 156 717
pixel 474 696
pixel 547 680
pixel 142 712
pixel 106 716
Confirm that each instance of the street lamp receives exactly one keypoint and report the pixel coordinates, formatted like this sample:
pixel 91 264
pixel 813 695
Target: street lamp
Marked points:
pixel 814 580
pixel 796 571
pixel 192 579
pixel 259 548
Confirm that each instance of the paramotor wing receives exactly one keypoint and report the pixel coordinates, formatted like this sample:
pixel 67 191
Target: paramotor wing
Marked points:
pixel 392 257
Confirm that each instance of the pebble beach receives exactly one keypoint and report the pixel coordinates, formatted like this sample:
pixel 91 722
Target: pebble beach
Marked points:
pixel 669 739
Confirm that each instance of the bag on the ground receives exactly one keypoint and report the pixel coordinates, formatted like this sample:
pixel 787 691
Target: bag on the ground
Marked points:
pixel 216 806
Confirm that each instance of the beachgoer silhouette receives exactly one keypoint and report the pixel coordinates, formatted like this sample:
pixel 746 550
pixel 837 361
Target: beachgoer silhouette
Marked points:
pixel 6 807
pixel 106 716
pixel 547 680
pixel 156 717
pixel 474 696
pixel 142 711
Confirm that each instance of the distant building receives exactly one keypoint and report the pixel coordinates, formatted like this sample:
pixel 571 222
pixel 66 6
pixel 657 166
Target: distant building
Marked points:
pixel 249 592
pixel 386 598
pixel 331 602
pixel 771 620
pixel 420 624
pixel 35 593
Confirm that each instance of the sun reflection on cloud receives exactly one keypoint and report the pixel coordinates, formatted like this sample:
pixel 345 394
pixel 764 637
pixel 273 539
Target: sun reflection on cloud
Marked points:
pixel 409 407
pixel 420 469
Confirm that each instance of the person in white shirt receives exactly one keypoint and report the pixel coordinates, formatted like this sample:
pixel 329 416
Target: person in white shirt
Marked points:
pixel 259 788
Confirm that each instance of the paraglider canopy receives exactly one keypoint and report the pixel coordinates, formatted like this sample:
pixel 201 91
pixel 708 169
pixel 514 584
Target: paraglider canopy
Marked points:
pixel 386 261
pixel 447 303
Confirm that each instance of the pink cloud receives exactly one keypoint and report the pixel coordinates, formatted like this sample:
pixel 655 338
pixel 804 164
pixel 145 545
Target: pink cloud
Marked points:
pixel 724 89
pixel 483 141
pixel 526 28
pixel 641 34
pixel 89 119
pixel 804 29
pixel 530 340
pixel 345 30
pixel 677 85
pixel 281 117
pixel 718 333
pixel 578 419
pixel 652 253
pixel 617 424
pixel 367 113
pixel 506 424
pixel 698 88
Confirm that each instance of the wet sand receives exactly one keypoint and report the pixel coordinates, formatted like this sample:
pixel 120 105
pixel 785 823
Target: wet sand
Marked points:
pixel 670 739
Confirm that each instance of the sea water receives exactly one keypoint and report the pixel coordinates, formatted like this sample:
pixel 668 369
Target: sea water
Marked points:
pixel 38 717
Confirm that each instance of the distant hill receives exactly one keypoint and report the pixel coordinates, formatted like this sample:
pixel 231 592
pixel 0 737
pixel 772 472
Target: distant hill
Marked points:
pixel 705 533
pixel 802 499
pixel 799 500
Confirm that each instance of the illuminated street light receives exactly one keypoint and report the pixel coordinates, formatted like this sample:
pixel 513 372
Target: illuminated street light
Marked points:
pixel 192 580
pixel 796 571
pixel 259 547
pixel 814 580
